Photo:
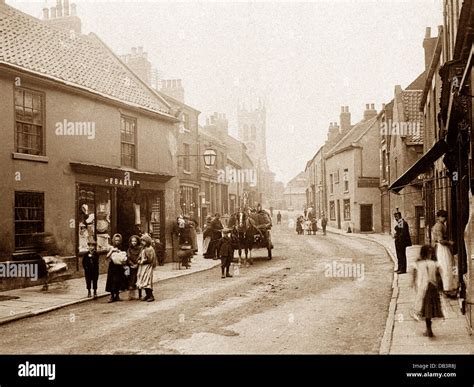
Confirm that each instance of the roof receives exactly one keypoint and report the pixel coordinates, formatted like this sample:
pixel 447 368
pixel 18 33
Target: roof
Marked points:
pixel 174 101
pixel 351 138
pixel 82 61
pixel 411 100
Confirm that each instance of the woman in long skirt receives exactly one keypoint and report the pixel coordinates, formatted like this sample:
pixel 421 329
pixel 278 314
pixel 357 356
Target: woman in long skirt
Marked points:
pixel 443 253
pixel 116 279
pixel 426 276
pixel 146 263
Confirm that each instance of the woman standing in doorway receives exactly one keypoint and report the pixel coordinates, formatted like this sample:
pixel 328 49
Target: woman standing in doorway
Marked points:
pixel 439 238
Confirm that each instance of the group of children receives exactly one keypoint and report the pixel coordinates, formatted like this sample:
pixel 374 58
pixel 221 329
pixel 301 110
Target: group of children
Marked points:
pixel 135 272
pixel 306 225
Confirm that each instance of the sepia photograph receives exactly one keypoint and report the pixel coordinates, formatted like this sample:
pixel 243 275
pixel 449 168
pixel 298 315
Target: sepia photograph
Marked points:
pixel 236 178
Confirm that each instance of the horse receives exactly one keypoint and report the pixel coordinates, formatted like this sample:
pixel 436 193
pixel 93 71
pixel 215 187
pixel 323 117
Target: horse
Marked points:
pixel 239 224
pixel 246 235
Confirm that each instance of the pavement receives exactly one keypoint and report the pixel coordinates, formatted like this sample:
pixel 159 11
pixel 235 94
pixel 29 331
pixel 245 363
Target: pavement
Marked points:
pixel 403 334
pixel 28 302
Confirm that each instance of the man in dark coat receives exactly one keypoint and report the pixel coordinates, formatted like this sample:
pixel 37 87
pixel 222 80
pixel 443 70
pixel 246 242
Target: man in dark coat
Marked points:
pixel 216 233
pixel 402 241
pixel 225 252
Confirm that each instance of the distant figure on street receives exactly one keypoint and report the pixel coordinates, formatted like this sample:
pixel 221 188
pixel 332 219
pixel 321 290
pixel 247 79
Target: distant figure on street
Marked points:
pixel 439 237
pixel 279 218
pixel 426 278
pixel 402 241
pixel 90 263
pixel 299 225
pixel 225 252
pixel 324 223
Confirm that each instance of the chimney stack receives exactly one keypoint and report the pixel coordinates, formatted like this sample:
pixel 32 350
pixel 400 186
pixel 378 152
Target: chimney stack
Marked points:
pixel 369 112
pixel 45 13
pixel 59 8
pixel 66 8
pixel 345 119
pixel 429 45
pixel 53 12
pixel 73 9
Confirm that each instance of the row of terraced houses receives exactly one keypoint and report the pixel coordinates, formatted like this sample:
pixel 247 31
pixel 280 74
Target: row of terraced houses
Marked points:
pixel 90 145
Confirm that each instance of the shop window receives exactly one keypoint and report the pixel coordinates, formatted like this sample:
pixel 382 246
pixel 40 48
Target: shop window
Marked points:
pixel 29 218
pixel 332 210
pixel 29 115
pixel 128 141
pixel 347 209
pixel 94 221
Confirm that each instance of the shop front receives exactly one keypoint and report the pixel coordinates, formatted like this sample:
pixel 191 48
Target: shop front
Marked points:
pixel 114 200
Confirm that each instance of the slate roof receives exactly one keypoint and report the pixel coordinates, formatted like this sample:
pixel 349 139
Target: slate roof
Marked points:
pixel 352 137
pixel 83 61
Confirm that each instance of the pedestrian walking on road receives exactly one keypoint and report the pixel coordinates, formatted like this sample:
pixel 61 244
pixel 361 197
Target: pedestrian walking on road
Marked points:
pixel 116 279
pixel 279 218
pixel 402 241
pixel 324 223
pixel 133 254
pixel 90 263
pixel 146 263
pixel 426 281
pixel 439 238
pixel 226 252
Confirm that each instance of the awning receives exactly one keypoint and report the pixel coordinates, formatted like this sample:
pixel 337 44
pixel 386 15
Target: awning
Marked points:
pixel 121 174
pixel 423 164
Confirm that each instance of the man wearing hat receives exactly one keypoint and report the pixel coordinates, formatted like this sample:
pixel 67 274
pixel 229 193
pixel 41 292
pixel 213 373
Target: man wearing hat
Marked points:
pixel 402 241
pixel 225 252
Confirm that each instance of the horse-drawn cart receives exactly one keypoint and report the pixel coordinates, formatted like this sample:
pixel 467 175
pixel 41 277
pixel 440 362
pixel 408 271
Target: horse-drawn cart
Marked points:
pixel 250 230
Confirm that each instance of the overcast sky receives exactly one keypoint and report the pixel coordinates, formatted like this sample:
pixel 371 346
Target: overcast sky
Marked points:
pixel 304 59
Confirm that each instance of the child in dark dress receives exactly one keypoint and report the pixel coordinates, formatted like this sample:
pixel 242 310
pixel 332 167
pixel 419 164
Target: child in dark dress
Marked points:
pixel 133 253
pixel 90 263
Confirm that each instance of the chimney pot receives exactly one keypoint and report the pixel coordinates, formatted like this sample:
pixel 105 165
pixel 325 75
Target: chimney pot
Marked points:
pixel 428 33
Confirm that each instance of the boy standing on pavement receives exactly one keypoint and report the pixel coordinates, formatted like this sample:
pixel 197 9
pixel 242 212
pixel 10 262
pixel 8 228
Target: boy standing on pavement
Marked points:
pixel 226 252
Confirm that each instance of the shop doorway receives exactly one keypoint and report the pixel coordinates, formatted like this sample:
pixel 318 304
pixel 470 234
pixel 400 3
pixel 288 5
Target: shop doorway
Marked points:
pixel 125 214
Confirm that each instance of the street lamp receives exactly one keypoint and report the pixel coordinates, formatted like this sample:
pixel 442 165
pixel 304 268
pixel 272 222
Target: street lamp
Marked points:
pixel 209 156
